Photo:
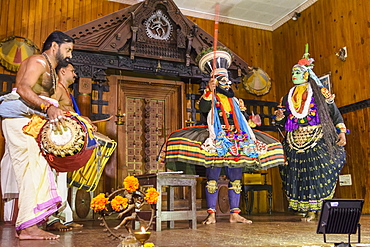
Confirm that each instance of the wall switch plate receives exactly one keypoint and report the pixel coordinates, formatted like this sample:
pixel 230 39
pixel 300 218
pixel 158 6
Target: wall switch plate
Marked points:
pixel 345 180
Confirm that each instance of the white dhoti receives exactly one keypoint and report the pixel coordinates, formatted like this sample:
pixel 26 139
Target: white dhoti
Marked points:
pixel 9 186
pixel 10 210
pixel 65 213
pixel 38 197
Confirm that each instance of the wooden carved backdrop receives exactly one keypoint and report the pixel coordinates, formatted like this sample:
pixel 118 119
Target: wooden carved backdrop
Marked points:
pixel 151 109
pixel 145 134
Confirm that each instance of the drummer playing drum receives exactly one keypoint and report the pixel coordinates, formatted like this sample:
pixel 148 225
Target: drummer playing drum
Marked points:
pixel 35 82
pixel 66 77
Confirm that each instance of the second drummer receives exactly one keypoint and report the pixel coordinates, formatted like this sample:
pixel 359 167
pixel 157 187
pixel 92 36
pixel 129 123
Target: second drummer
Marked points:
pixel 66 77
pixel 63 221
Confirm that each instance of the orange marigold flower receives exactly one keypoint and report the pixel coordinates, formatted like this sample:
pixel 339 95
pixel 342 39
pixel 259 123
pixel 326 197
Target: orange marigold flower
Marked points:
pixel 151 196
pixel 131 184
pixel 119 201
pixel 98 203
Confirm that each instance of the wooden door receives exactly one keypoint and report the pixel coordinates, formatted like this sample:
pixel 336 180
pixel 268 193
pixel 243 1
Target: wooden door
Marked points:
pixel 153 109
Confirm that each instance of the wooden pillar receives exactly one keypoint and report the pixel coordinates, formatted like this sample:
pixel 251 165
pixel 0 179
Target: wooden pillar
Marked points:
pixel 84 97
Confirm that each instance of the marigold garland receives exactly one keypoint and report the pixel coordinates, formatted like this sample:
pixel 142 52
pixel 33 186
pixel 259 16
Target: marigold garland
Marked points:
pixel 98 203
pixel 131 184
pixel 119 201
pixel 151 196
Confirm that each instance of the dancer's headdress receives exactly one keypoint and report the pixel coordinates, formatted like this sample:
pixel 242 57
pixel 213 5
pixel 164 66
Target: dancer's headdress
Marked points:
pixel 306 65
pixel 223 60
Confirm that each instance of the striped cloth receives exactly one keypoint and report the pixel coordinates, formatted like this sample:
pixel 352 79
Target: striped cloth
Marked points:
pixel 184 147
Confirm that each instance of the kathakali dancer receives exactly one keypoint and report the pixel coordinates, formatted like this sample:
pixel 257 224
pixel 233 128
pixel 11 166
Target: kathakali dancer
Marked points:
pixel 227 141
pixel 315 136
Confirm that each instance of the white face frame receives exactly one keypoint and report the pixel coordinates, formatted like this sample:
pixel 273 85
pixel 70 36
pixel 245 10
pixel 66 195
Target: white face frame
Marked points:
pixel 299 76
pixel 224 81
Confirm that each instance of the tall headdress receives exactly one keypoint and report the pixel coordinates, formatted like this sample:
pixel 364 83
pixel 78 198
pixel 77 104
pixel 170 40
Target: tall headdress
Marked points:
pixel 306 64
pixel 223 60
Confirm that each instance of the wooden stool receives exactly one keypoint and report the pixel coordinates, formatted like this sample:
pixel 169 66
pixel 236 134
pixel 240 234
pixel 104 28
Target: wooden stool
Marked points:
pixel 257 187
pixel 172 180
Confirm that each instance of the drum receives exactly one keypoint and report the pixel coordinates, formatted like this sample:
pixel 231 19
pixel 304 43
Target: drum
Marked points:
pixel 88 177
pixel 69 141
pixel 66 150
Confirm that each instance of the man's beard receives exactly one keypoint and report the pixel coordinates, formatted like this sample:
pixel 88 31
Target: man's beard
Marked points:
pixel 228 92
pixel 60 57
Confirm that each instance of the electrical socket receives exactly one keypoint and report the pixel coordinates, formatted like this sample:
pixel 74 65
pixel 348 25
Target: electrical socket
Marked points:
pixel 345 180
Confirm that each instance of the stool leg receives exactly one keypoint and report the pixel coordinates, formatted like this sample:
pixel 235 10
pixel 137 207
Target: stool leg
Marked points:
pixel 170 204
pixel 270 201
pixel 193 201
pixel 158 220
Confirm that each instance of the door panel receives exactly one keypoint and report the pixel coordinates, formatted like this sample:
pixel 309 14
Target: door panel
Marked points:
pixel 153 109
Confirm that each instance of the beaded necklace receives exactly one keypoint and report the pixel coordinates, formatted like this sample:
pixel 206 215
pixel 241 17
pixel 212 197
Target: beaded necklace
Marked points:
pixel 52 72
pixel 65 89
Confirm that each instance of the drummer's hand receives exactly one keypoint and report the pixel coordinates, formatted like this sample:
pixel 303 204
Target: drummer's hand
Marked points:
pixel 212 84
pixel 56 117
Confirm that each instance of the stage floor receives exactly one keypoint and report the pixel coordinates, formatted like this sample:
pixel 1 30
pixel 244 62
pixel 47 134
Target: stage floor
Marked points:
pixel 267 230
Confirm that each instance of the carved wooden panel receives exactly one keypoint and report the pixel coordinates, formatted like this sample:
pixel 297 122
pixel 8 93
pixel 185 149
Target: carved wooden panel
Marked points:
pixel 154 128
pixel 145 134
pixel 149 105
pixel 85 85
pixel 134 122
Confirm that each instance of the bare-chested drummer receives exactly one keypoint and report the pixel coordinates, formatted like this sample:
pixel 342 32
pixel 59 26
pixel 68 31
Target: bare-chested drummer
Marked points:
pixel 35 82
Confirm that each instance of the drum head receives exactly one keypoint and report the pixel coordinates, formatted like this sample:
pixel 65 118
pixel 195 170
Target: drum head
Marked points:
pixel 68 141
pixel 104 140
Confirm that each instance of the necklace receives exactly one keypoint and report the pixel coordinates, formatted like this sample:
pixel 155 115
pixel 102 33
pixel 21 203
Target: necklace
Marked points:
pixel 52 72
pixel 65 89
pixel 306 106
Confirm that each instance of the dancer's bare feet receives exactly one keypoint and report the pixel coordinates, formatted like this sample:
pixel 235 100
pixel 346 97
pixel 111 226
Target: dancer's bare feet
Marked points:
pixel 33 232
pixel 57 226
pixel 211 219
pixel 75 225
pixel 236 218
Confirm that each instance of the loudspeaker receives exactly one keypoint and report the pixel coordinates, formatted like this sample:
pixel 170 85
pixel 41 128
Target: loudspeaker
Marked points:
pixel 340 216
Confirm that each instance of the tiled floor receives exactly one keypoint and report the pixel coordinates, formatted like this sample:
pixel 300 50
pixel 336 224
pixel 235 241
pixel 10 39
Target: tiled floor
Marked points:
pixel 275 230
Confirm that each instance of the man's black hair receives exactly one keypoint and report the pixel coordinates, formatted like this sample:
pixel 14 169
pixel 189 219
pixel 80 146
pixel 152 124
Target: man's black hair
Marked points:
pixel 62 64
pixel 57 37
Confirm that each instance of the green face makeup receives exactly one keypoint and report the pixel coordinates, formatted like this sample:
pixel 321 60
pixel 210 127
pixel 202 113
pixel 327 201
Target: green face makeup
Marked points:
pixel 299 76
